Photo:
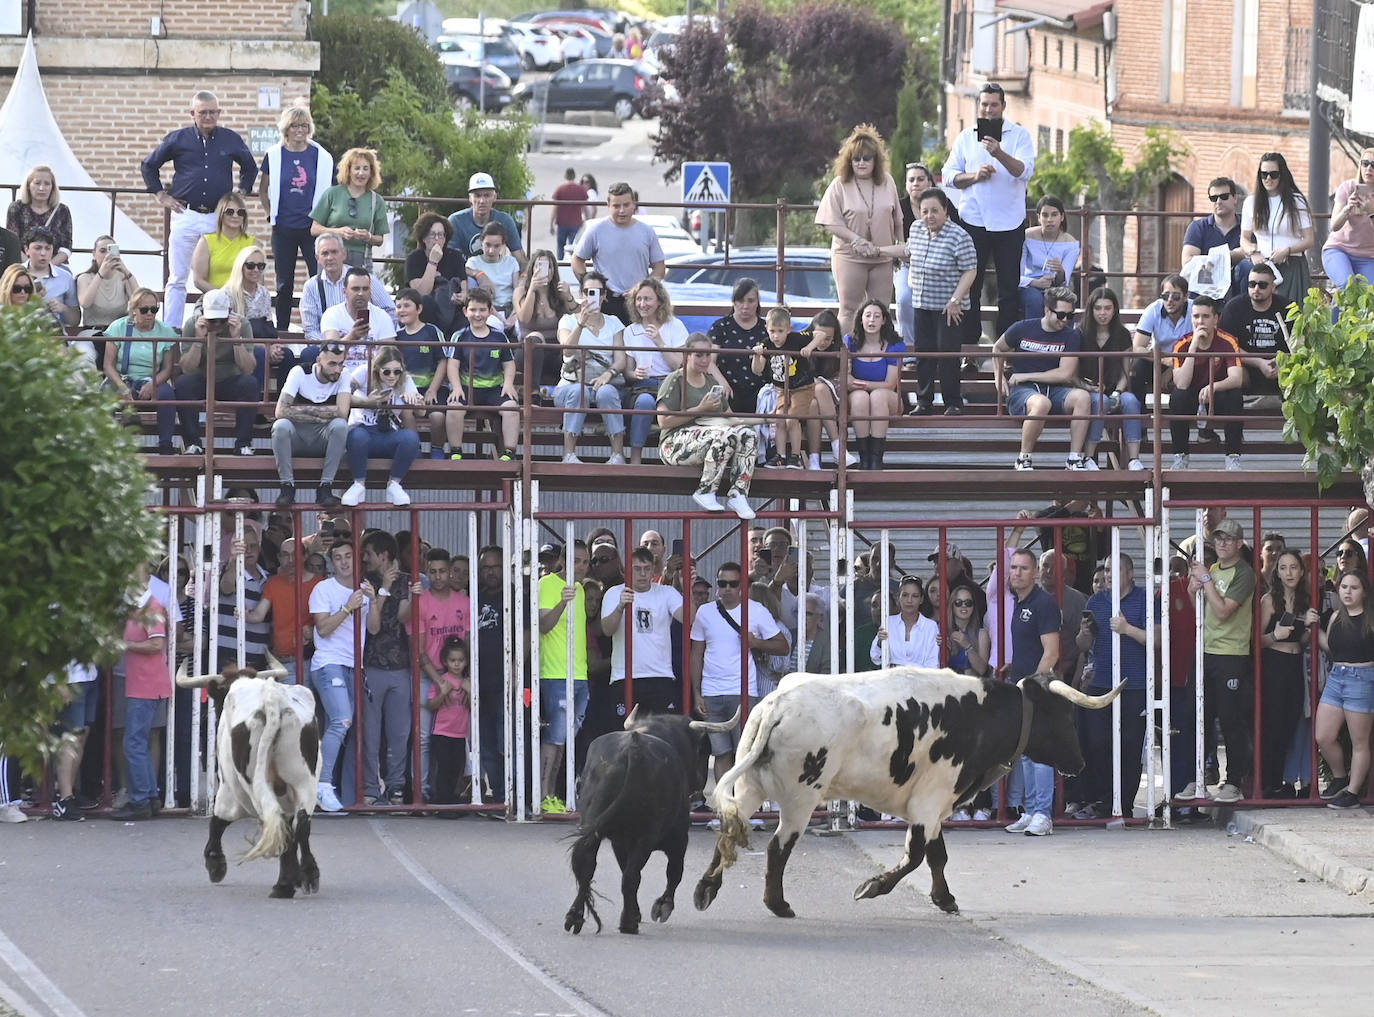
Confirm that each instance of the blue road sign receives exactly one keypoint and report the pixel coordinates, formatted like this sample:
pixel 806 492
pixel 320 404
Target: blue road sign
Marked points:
pixel 705 183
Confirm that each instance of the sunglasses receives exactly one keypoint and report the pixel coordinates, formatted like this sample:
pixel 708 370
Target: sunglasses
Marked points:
pixel 1366 163
pixel 255 266
pixel 22 289
pixel 391 372
pixel 728 584
pixel 238 213
pixel 963 603
pixel 1062 315
pixel 1170 295
pixel 1219 197
pixel 334 347
pixel 991 87
pixel 1269 174
pixel 862 158
pixel 353 208
pixel 1258 284
pixel 148 310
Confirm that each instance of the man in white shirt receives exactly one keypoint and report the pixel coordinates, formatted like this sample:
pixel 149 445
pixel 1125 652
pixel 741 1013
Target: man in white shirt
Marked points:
pixel 991 163
pixel 357 322
pixel 624 250
pixel 326 289
pixel 654 608
pixel 717 653
pixel 340 613
pixel 312 417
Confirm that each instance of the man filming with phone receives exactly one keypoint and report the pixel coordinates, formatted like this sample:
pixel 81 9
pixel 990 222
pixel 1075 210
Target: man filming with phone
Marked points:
pixel 357 323
pixel 992 162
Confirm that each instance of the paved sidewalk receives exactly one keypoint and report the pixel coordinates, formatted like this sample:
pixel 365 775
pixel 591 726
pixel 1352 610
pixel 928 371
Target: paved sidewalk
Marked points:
pixel 1335 846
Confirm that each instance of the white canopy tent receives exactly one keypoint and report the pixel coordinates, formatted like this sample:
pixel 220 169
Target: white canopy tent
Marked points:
pixel 29 136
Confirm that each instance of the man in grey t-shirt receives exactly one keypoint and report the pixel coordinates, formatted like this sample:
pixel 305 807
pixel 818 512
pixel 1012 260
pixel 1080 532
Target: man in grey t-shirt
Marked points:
pixel 625 250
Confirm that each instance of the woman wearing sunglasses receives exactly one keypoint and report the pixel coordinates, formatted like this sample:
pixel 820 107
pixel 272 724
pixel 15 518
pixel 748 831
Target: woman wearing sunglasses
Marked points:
pixel 352 209
pixel 213 258
pixel 1276 229
pixel 17 287
pixel 1349 250
pixel 139 361
pixel 970 644
pixel 104 289
pixel 252 301
pixel 381 424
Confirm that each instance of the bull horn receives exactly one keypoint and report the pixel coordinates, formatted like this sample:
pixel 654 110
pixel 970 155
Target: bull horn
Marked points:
pixel 189 681
pixel 633 718
pixel 275 670
pixel 717 727
pixel 1078 698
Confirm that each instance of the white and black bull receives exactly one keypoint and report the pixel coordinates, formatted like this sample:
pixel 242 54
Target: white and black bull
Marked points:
pixel 908 741
pixel 635 790
pixel 268 751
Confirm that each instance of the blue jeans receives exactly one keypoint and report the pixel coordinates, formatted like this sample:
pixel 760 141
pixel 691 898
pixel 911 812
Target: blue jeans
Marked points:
pixel 1038 781
pixel 572 395
pixel 565 237
pixel 1131 430
pixel 286 244
pixel 645 394
pixel 138 727
pixel 333 685
pixel 1032 302
pixel 1340 266
pixel 367 441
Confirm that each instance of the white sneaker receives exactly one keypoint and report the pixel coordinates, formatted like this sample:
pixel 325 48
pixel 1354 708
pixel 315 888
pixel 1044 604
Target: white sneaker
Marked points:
pixel 1135 465
pixel 708 501
pixel 740 505
pixel 1077 463
pixel 327 800
pixel 1233 461
pixel 13 814
pixel 572 459
pixel 981 815
pixel 1039 826
pixel 1228 793
pixel 616 459
pixel 850 458
pixel 1084 463
pixel 354 494
pixel 813 462
pixel 1020 825
pixel 1180 461
pixel 396 494
pixel 1023 462
pixel 961 816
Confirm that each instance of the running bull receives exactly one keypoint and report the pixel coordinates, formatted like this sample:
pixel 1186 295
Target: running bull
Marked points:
pixel 635 790
pixel 268 752
pixel 909 741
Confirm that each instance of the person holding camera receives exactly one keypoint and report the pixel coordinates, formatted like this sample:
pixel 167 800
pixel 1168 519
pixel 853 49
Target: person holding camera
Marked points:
pixel 104 289
pixel 594 366
pixel 218 326
pixel 382 424
pixel 696 429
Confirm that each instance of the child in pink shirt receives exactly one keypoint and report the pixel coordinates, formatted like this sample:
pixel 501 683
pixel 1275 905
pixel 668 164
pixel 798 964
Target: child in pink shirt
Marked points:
pixel 450 701
pixel 148 684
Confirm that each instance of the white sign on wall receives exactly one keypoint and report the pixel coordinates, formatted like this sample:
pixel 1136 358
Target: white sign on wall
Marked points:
pixel 1361 116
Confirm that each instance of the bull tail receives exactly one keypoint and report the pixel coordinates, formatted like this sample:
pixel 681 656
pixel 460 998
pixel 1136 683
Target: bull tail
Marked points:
pixel 275 835
pixel 734 828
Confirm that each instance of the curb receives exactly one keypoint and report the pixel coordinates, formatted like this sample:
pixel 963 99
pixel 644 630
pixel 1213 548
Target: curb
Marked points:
pixel 1293 847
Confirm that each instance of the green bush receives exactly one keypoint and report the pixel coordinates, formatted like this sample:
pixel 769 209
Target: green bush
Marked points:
pixel 363 54
pixel 73 497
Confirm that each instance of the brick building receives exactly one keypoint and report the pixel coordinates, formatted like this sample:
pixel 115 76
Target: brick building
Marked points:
pixel 1230 80
pixel 120 76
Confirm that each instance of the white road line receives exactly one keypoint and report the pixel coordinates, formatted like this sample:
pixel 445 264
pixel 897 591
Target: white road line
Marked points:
pixel 488 931
pixel 39 984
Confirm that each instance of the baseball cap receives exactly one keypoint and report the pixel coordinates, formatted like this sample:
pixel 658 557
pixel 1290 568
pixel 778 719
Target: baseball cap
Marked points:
pixel 216 305
pixel 951 551
pixel 481 182
pixel 549 550
pixel 1228 528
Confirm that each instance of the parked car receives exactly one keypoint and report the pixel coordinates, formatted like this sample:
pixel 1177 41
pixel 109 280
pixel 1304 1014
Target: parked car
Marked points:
pixel 539 48
pixel 625 87
pixel 706 279
pixel 672 236
pixel 598 42
pixel 492 48
pixel 598 17
pixel 471 85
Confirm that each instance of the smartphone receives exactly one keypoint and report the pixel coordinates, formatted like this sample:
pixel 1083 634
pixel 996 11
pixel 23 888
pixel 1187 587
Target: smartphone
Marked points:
pixel 327 528
pixel 989 128
pixel 677 547
pixel 593 296
pixel 112 250
pixel 718 392
pixel 1286 619
pixel 1361 189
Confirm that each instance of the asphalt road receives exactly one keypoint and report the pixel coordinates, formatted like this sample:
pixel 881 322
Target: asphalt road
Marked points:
pixel 420 916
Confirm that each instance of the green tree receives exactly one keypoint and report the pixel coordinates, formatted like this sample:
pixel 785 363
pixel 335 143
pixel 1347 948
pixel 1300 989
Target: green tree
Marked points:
pixel 74 496
pixel 1093 171
pixel 1328 383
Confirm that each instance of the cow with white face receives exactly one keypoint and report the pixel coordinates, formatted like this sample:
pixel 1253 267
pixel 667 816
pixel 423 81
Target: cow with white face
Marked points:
pixel 268 750
pixel 908 741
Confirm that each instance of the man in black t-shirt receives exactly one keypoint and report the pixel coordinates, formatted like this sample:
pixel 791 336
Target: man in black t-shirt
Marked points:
pixel 1255 319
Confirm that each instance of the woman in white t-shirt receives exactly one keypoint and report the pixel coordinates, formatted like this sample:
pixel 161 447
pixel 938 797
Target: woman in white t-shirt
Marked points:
pixel 659 337
pixel 1276 229
pixel 381 423
pixel 593 363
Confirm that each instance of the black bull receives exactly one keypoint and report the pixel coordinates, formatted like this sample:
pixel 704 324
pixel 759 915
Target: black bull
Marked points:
pixel 635 791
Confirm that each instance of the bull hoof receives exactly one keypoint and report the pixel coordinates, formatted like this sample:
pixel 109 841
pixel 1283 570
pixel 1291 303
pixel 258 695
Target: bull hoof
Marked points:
pixel 782 909
pixel 705 893
pixel 310 882
pixel 946 904
pixel 216 866
pixel 629 928
pixel 661 911
pixel 572 922
pixel 280 892
pixel 870 888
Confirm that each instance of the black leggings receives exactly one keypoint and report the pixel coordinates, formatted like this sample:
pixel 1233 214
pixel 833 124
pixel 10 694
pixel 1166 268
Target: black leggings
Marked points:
pixel 1281 689
pixel 449 759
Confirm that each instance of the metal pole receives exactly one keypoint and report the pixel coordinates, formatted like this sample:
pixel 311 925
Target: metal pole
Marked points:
pixel 1198 601
pixel 570 679
pixel 1118 798
pixel 1156 695
pixel 475 725
pixel 883 588
pixel 198 641
pixel 512 627
pixel 169 737
pixel 212 648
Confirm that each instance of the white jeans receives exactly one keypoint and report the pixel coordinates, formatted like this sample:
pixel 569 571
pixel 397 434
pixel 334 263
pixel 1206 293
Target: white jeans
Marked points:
pixel 186 230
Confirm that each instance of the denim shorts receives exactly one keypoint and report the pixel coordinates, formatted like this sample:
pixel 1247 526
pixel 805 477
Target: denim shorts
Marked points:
pixel 80 712
pixel 553 706
pixel 1021 394
pixel 1350 688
